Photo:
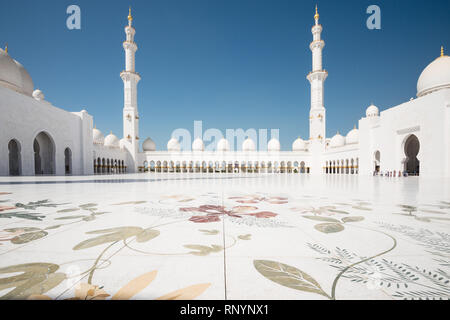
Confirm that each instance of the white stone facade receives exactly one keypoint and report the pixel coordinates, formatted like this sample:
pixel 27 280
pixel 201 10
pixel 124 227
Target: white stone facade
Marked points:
pixel 39 138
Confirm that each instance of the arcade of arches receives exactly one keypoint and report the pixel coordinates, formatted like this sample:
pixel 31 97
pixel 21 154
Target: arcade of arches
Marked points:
pixel 225 166
pixel 109 166
pixel 43 156
pixel 347 166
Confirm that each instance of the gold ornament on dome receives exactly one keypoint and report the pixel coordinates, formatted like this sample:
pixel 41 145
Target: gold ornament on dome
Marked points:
pixel 130 17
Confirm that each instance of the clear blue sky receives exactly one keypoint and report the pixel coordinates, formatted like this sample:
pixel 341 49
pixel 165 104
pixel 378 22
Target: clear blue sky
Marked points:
pixel 230 63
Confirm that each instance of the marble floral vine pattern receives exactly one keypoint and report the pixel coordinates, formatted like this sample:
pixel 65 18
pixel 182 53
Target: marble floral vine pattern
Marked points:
pixel 401 280
pixel 397 279
pixel 35 279
pixel 20 235
pixel 38 278
pixel 435 243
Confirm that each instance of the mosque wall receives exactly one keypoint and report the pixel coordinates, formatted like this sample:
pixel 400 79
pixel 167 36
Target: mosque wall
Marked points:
pixel 425 118
pixel 24 118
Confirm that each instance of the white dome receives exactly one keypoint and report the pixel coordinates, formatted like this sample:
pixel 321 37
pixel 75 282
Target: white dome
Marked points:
pixel 148 145
pixel 223 145
pixel 198 145
pixel 97 136
pixel 298 145
pixel 337 141
pixel 38 95
pixel 372 111
pixel 14 76
pixel 435 76
pixel 112 141
pixel 173 145
pixel 248 145
pixel 352 136
pixel 273 145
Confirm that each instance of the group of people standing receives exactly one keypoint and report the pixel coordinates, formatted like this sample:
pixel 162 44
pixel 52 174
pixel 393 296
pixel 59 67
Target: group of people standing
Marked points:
pixel 390 173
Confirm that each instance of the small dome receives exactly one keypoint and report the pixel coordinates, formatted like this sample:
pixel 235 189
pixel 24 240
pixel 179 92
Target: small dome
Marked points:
pixel 352 136
pixel 97 136
pixel 38 95
pixel 148 145
pixel 337 141
pixel 435 76
pixel 112 141
pixel 198 145
pixel 223 145
pixel 299 145
pixel 13 75
pixel 248 145
pixel 372 111
pixel 173 145
pixel 273 145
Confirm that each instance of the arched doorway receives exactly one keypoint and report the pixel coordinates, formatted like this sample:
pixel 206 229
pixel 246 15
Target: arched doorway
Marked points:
pixel 412 147
pixel 377 158
pixel 44 154
pixel 14 158
pixel 68 161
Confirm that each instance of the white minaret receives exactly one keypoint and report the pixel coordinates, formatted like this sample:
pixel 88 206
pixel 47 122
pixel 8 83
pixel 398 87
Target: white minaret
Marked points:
pixel 317 78
pixel 130 110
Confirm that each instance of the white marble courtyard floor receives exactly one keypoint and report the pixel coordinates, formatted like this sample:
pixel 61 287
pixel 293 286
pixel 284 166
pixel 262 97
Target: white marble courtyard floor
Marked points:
pixel 224 236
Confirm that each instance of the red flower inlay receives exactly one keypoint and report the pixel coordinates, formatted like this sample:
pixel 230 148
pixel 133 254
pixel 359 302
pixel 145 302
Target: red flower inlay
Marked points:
pixel 213 213
pixel 204 219
pixel 263 214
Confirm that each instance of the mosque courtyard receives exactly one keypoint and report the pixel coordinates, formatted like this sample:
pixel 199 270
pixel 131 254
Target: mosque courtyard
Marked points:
pixel 224 236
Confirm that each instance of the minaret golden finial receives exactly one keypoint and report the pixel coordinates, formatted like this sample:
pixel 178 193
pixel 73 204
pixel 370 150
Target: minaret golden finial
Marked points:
pixel 316 16
pixel 130 17
pixel 442 51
